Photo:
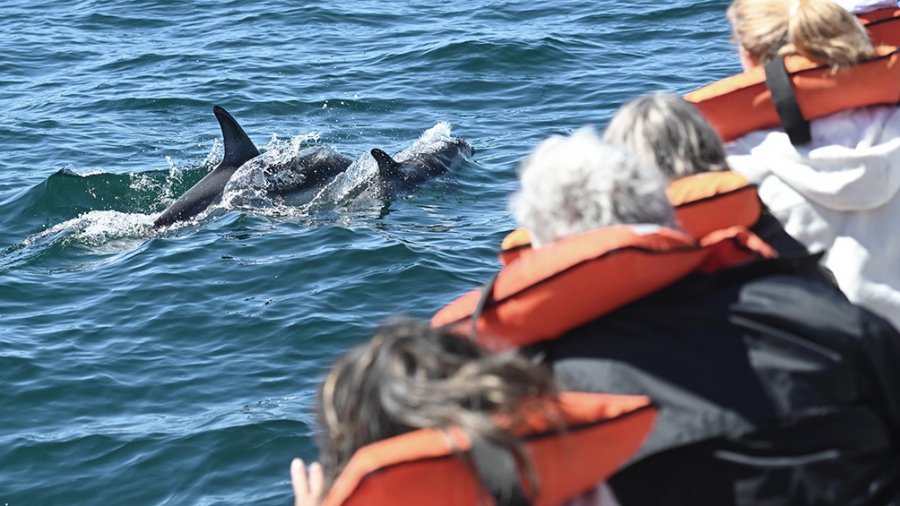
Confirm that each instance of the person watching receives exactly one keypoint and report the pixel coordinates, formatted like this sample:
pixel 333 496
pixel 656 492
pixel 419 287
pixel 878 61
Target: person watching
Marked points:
pixel 771 390
pixel 448 423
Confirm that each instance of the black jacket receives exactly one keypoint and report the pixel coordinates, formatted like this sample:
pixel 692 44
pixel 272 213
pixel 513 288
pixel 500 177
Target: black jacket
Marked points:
pixel 773 390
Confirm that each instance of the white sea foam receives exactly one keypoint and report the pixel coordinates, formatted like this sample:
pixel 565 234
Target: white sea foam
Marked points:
pixel 350 189
pixel 249 186
pixel 96 229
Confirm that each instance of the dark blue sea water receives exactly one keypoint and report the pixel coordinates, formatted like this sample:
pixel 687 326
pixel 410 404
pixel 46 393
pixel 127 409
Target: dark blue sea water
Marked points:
pixel 180 367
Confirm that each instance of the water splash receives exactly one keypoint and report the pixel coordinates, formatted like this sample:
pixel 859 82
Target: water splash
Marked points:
pixel 95 229
pixel 348 186
pixel 174 184
pixel 254 184
pixel 105 233
pixel 437 134
pixel 352 191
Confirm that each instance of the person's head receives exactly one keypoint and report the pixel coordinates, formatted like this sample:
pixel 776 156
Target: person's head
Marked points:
pixel 668 131
pixel 578 183
pixel 820 30
pixel 412 376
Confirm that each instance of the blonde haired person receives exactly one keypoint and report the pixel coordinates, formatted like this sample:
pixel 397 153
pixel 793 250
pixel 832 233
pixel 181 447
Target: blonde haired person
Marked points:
pixel 820 30
pixel 840 192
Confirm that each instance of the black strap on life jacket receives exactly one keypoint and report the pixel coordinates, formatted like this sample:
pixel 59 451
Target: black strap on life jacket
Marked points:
pixel 785 101
pixel 486 298
pixel 496 466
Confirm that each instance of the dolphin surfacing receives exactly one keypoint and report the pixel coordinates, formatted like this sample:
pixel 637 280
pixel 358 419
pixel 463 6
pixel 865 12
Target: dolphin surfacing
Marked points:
pixel 395 176
pixel 299 179
pixel 293 182
pixel 238 150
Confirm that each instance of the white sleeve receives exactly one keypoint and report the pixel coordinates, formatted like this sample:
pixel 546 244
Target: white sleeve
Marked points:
pixel 861 6
pixel 602 495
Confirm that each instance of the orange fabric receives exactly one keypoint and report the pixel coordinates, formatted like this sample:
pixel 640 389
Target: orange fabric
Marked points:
pixel 423 467
pixel 513 244
pixel 703 203
pixel 714 200
pixel 883 26
pixel 557 287
pixel 733 246
pixel 741 104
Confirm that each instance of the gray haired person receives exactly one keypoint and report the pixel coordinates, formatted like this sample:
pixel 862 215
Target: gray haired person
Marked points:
pixel 579 183
pixel 772 390
pixel 411 376
pixel 668 131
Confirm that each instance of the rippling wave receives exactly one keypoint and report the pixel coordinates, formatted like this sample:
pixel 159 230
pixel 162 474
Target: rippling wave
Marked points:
pixel 179 367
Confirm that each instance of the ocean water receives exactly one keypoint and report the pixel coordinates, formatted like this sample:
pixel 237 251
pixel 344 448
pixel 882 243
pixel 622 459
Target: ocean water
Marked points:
pixel 179 367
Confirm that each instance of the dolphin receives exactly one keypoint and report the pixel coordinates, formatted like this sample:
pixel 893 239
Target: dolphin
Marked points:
pixel 291 181
pixel 284 181
pixel 395 176
pixel 238 150
pixel 298 180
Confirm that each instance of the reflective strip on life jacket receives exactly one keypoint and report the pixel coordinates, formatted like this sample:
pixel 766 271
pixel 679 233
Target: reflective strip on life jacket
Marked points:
pixel 557 287
pixel 742 104
pixel 514 244
pixel 573 445
pixel 703 203
pixel 883 26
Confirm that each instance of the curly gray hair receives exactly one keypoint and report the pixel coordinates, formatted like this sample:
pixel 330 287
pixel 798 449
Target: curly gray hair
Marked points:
pixel 578 183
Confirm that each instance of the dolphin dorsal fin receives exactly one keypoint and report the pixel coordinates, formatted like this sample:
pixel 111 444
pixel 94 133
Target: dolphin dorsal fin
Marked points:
pixel 387 166
pixel 238 146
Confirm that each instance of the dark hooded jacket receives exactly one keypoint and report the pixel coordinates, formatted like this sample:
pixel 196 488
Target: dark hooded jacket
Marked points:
pixel 773 390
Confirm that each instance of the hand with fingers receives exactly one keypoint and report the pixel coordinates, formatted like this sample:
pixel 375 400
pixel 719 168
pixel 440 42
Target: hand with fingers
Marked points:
pixel 307 485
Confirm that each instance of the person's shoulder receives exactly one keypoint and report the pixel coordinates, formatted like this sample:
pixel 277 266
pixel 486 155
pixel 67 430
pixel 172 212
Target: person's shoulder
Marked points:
pixel 806 306
pixel 857 126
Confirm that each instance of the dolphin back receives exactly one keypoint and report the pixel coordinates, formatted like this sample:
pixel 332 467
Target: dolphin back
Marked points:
pixel 419 166
pixel 239 148
pixel 387 166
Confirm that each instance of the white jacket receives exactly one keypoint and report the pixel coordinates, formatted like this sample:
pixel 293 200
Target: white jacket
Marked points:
pixel 861 6
pixel 838 194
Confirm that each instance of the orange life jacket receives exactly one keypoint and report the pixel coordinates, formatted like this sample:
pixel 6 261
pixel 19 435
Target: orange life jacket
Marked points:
pixel 575 444
pixel 883 26
pixel 568 283
pixel 742 103
pixel 703 204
